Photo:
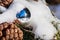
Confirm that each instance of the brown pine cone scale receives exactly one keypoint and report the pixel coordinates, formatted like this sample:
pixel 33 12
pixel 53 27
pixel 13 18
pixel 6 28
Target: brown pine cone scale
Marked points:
pixel 10 32
pixel 5 3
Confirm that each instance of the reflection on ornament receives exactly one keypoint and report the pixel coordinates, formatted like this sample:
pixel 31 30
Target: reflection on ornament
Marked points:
pixel 24 15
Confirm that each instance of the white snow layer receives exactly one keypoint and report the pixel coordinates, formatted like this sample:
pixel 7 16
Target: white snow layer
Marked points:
pixel 2 9
pixel 40 16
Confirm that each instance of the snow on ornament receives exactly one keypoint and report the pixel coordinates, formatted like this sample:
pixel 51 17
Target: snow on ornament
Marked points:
pixel 37 13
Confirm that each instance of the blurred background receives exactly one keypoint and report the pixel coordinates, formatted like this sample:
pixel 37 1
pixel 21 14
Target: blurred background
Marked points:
pixel 54 6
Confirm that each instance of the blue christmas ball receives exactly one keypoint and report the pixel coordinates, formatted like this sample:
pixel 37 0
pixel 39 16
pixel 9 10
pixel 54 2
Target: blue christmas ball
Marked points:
pixel 25 13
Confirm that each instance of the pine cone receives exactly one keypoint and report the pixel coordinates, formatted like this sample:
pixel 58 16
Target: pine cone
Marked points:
pixel 5 3
pixel 10 32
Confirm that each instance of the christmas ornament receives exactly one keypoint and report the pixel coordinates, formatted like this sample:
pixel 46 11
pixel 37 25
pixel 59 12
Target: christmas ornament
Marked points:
pixel 24 15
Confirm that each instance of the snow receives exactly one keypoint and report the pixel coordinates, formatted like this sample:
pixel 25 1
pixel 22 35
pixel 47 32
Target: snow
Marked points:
pixel 10 14
pixel 41 17
pixel 2 9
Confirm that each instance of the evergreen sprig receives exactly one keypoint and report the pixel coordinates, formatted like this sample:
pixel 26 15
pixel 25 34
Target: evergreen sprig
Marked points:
pixel 28 35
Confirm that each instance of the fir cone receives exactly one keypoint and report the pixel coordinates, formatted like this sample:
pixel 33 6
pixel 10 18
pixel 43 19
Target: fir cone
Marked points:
pixel 10 32
pixel 5 3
